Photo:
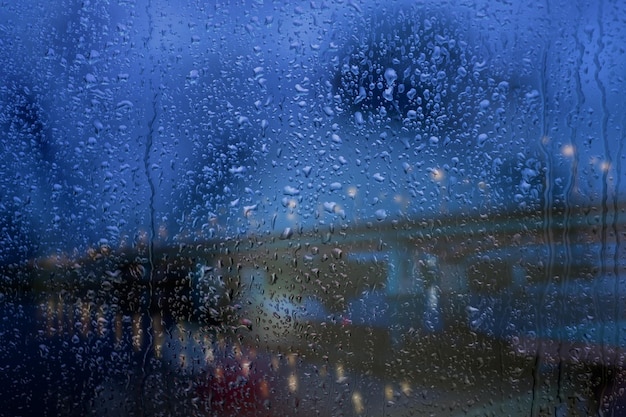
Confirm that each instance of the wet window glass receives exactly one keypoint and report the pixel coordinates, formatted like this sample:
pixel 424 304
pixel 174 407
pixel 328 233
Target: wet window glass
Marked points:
pixel 320 208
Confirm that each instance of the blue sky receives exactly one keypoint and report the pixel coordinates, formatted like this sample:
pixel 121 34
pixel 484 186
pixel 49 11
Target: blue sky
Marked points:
pixel 130 120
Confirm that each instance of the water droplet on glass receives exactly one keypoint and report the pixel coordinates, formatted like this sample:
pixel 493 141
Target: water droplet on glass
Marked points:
pixel 287 233
pixel 291 191
pixel 390 76
pixel 335 186
pixel 330 206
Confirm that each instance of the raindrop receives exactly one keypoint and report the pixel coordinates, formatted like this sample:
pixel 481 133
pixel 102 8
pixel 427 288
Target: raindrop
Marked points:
pixel 287 233
pixel 335 186
pixel 390 76
pixel 301 89
pixel 330 206
pixel 378 177
pixel 291 191
pixel 248 210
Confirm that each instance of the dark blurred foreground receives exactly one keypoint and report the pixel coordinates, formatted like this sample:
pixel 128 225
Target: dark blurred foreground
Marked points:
pixel 442 317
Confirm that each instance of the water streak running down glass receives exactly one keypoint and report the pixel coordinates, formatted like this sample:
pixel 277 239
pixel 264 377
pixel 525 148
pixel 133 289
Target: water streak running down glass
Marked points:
pixel 267 208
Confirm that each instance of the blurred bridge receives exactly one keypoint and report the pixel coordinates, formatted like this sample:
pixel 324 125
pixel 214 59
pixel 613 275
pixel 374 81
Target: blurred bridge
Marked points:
pixel 495 294
pixel 538 264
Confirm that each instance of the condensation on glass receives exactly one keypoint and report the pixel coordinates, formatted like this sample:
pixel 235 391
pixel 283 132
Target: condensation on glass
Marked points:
pixel 321 208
